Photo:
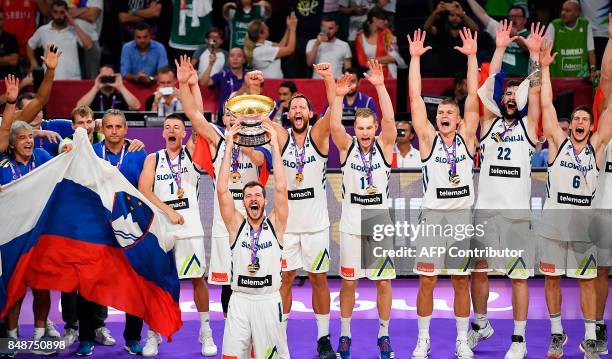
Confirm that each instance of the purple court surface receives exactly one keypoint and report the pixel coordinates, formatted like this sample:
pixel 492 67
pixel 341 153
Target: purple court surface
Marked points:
pixel 302 330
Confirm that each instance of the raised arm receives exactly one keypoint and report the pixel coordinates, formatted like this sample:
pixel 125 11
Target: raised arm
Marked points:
pixel 145 186
pixel 288 47
pixel 83 37
pixel 338 133
pixel 429 22
pixel 550 123
pixel 11 83
pixel 604 131
pixel 534 44
pixel 281 205
pixel 231 216
pixel 321 129
pixel 388 131
pixel 205 79
pixel 422 127
pixel 199 124
pixel 458 9
pixel 480 13
pixel 471 112
pixel 29 112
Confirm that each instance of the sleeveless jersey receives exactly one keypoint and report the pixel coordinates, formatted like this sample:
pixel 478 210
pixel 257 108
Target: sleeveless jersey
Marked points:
pixel 505 174
pixel 573 57
pixel 248 172
pixel 268 278
pixel 308 199
pixel 603 196
pixel 355 183
pixel 571 183
pixel 439 192
pixel 165 188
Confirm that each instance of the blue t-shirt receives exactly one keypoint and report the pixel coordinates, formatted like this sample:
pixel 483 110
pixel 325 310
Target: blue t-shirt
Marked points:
pixel 133 61
pixel 62 127
pixel 361 101
pixel 131 165
pixel 11 170
pixel 227 83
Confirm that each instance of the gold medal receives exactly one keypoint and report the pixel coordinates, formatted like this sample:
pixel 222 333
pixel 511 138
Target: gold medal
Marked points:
pixel 253 267
pixel 236 176
pixel 299 177
pixel 180 193
pixel 371 189
pixel 454 179
pixel 498 138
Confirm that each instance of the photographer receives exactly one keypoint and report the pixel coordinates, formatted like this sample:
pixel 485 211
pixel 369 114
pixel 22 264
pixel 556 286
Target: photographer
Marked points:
pixel 109 92
pixel 165 99
pixel 211 53
pixel 326 48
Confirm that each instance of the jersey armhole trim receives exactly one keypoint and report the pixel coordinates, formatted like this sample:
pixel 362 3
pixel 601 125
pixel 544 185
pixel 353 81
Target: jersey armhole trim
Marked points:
pixel 238 234
pixel 482 138
pixel 550 164
pixel 274 232
pixel 195 167
pixel 382 154
pixel 433 147
pixel 467 150
pixel 286 143
pixel 522 122
pixel 348 152
pixel 315 146
pixel 221 139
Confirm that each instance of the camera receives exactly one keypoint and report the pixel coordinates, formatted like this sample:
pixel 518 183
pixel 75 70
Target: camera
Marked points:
pixel 401 132
pixel 107 79
pixel 212 43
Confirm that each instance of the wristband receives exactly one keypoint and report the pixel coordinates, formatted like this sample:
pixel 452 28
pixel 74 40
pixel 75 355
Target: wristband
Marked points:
pixel 593 68
pixel 11 102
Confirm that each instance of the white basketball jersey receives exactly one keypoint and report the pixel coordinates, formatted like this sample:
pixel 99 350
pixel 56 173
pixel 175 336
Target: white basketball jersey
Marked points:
pixel 248 172
pixel 505 173
pixel 308 199
pixel 355 182
pixel 439 192
pixel 165 188
pixel 603 196
pixel 571 183
pixel 268 278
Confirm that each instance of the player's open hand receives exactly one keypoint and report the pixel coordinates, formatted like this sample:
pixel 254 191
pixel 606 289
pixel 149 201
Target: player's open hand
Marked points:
pixel 51 56
pixel 376 76
pixel 183 69
pixel 546 58
pixel 534 41
pixel 343 85
pixel 271 131
pixel 503 34
pixel 470 43
pixel 417 42
pixel 12 87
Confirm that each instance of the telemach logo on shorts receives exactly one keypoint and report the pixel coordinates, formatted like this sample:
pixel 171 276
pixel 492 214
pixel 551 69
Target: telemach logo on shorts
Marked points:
pixel 255 282
pixel 305 193
pixel 236 194
pixel 369 200
pixel 576 200
pixel 177 204
pixel 502 171
pixel 453 192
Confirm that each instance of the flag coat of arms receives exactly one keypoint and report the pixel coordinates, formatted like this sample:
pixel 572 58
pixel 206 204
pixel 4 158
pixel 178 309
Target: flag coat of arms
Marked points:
pixel 76 224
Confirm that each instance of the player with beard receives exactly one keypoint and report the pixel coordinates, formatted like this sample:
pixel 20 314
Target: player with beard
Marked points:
pixel 256 249
pixel 447 157
pixel 170 181
pixel 245 167
pixel 304 152
pixel 366 169
pixel 504 194
pixel 565 246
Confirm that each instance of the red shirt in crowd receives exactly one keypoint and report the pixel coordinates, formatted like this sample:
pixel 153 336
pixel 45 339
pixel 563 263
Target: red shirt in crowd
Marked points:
pixel 20 20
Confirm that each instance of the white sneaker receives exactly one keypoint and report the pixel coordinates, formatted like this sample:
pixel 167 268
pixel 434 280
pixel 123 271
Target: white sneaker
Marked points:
pixel 477 334
pixel 104 337
pixel 40 347
pixel 422 349
pixel 153 341
pixel 518 348
pixel 70 336
pixel 50 330
pixel 208 344
pixel 463 350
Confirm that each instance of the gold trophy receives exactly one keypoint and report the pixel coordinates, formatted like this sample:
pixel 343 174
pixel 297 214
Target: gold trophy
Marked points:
pixel 249 110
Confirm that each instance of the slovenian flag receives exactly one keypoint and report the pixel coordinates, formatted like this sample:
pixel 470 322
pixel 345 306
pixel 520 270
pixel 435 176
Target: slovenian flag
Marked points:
pixel 76 224
pixel 492 91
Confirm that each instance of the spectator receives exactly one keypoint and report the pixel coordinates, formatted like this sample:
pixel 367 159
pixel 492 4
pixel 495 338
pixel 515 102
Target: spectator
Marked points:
pixel 190 23
pixel 142 57
pixel 285 92
pixel 389 6
pixel 516 57
pixel 358 12
pixel 596 11
pixel 81 116
pixel 228 80
pixel 355 99
pixel 20 20
pixel 109 92
pixel 326 48
pixel 540 157
pixel 264 55
pixel 499 8
pixel 134 12
pixel 308 15
pixel 66 33
pixel 240 13
pixel 60 128
pixel 404 154
pixel 572 38
pixel 459 90
pixel 9 50
pixel 449 19
pixel 88 15
pixel 214 42
pixel 165 99
pixel 375 40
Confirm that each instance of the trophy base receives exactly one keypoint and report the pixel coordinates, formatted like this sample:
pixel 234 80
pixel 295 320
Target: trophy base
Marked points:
pixel 252 140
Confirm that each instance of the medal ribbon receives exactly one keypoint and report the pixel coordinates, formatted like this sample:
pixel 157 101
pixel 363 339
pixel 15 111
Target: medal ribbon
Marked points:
pixel 299 157
pixel 254 241
pixel 175 175
pixel 235 153
pixel 15 167
pixel 583 169
pixel 367 164
pixel 118 165
pixel 451 157
pixel 508 129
